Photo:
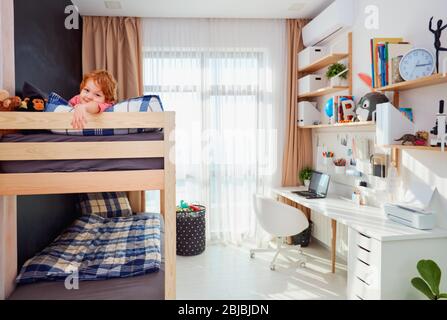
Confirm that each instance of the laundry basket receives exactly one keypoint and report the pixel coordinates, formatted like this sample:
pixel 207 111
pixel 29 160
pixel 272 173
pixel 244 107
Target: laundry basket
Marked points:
pixel 302 238
pixel 191 232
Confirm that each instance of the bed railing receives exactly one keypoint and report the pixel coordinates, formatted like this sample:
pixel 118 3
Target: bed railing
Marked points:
pixel 12 184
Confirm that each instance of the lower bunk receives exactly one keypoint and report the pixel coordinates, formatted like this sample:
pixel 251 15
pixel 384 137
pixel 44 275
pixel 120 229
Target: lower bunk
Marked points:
pixel 98 258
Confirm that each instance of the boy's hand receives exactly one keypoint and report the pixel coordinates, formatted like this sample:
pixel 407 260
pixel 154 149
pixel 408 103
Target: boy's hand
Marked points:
pixel 79 117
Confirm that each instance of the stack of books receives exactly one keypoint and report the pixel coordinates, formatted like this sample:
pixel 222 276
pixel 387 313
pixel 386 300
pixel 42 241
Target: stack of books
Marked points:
pixel 386 54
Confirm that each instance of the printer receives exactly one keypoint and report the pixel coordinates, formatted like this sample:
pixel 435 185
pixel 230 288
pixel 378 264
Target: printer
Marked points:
pixel 412 217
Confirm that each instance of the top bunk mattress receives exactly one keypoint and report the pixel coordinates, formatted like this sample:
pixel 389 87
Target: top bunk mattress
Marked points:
pixel 37 166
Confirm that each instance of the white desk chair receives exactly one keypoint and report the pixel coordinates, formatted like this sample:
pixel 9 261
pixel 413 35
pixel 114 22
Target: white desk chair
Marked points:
pixel 280 220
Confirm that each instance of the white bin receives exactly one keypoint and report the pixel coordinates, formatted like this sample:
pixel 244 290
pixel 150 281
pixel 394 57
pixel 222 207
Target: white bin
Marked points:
pixel 311 83
pixel 309 56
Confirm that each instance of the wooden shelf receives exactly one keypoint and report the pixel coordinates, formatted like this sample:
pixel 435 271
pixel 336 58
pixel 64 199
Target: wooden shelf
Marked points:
pixel 410 147
pixel 324 62
pixel 341 125
pixel 322 92
pixel 418 83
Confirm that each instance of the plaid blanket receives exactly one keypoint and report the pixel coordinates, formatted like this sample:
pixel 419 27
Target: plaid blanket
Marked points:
pixel 98 248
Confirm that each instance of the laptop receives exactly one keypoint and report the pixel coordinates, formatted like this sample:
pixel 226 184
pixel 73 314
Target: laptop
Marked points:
pixel 319 184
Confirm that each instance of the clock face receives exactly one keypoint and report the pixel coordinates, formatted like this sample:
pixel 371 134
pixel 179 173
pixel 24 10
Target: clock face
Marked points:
pixel 416 63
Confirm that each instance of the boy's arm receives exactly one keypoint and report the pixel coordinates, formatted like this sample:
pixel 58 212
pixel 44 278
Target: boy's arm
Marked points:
pixel 80 111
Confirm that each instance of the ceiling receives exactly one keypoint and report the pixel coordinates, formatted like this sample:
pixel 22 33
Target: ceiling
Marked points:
pixel 204 8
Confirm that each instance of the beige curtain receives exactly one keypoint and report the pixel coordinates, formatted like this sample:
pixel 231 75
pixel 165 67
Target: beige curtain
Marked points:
pixel 298 146
pixel 114 44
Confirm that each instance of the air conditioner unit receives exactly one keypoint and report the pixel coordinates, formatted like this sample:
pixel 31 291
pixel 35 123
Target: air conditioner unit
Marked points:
pixel 335 18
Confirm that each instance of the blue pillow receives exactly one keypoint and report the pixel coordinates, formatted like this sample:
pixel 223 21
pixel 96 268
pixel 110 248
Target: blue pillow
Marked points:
pixel 148 103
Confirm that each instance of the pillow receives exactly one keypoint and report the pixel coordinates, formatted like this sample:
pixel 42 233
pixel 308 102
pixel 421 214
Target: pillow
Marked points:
pixel 148 103
pixel 32 92
pixel 105 204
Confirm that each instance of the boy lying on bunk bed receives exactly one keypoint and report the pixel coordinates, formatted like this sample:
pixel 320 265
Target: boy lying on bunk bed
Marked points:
pixel 107 241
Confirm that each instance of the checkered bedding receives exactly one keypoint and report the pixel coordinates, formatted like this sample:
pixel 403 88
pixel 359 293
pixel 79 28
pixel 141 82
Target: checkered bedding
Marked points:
pixel 97 248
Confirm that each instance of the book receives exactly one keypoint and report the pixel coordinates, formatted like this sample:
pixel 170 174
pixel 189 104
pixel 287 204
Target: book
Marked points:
pixel 395 76
pixel 396 50
pixel 375 58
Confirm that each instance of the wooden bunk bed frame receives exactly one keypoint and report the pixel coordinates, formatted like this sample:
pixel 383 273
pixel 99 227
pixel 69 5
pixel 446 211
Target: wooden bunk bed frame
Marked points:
pixel 134 182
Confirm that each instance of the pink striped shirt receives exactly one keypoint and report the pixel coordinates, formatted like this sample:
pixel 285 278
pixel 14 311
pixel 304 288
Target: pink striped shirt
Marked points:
pixel 77 100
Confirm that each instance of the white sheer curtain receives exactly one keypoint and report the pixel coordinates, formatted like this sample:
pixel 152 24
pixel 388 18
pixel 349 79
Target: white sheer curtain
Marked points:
pixel 225 80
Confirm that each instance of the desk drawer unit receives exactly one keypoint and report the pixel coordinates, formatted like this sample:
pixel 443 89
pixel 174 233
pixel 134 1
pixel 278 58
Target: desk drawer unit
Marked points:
pixel 364 266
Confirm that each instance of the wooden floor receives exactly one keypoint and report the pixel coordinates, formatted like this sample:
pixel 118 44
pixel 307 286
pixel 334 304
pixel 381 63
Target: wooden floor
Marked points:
pixel 227 272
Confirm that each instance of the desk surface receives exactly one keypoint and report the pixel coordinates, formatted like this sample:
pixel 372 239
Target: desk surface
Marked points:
pixel 366 219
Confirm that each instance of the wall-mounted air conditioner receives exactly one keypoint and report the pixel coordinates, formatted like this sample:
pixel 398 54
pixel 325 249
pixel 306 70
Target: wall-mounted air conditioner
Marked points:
pixel 335 18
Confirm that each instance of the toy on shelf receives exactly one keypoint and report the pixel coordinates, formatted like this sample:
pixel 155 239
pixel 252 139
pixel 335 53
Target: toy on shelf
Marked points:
pixel 367 105
pixel 437 34
pixel 346 109
pixel 440 129
pixel 420 139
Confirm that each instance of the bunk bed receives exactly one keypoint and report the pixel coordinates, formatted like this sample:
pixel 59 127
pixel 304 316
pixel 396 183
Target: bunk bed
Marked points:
pixel 135 182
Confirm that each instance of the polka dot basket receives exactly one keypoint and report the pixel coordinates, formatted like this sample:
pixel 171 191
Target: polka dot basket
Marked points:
pixel 190 230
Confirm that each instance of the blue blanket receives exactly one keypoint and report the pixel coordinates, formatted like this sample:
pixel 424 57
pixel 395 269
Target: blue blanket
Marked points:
pixel 97 248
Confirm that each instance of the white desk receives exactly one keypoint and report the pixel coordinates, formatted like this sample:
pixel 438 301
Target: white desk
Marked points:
pixel 382 254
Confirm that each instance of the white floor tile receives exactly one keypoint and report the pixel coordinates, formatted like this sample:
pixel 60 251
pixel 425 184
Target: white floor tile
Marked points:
pixel 227 272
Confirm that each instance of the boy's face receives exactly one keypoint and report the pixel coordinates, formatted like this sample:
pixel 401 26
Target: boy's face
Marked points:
pixel 91 92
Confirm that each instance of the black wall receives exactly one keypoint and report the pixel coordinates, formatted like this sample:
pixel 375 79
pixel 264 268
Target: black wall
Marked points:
pixel 48 56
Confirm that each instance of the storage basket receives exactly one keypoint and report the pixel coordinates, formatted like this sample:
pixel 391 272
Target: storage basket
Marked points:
pixel 191 232
pixel 302 238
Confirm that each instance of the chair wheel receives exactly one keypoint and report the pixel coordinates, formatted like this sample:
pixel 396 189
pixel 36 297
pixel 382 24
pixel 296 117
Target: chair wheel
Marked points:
pixel 252 255
pixel 272 267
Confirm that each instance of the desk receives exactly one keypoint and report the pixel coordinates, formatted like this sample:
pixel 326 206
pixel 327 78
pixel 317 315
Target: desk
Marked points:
pixel 387 251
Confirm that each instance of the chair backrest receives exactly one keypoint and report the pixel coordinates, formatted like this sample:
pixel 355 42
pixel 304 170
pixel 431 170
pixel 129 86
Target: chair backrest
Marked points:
pixel 278 218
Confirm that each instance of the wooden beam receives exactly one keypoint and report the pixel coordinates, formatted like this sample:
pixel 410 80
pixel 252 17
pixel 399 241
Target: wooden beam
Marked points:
pixel 75 182
pixel 168 200
pixel 8 245
pixel 62 120
pixel 333 244
pixel 80 150
pixel 350 65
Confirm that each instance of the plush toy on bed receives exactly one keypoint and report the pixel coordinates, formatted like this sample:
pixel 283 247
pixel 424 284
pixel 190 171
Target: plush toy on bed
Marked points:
pixel 8 103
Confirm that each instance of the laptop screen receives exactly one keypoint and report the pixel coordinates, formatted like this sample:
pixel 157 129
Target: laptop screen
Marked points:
pixel 319 183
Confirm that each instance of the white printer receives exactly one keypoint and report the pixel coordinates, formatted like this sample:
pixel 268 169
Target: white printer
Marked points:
pixel 412 217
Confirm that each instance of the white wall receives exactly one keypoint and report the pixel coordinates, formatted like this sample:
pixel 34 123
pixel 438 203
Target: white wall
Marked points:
pixel 407 19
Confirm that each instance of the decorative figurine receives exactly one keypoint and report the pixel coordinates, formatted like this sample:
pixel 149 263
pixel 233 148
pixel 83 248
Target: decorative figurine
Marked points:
pixel 420 139
pixel 367 105
pixel 437 34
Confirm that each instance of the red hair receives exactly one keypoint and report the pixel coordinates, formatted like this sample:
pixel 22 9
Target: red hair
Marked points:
pixel 105 81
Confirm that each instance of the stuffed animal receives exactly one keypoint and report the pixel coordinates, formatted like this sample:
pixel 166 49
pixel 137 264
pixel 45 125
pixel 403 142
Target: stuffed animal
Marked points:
pixel 367 105
pixel 10 104
pixel 38 104
pixel 3 95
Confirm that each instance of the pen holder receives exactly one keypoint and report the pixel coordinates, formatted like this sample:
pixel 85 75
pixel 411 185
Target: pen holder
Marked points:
pixel 327 161
pixel 340 169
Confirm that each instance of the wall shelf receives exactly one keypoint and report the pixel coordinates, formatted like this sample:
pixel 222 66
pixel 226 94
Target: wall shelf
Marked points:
pixel 324 62
pixel 432 80
pixel 341 125
pixel 410 147
pixel 322 92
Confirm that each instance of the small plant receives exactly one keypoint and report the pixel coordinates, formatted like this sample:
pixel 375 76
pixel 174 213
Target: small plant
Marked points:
pixel 335 69
pixel 429 283
pixel 305 174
